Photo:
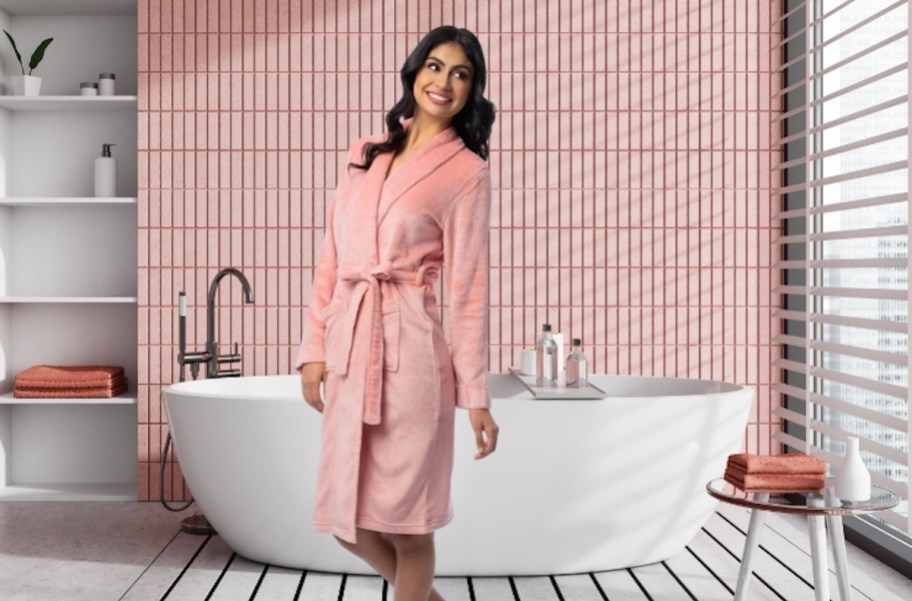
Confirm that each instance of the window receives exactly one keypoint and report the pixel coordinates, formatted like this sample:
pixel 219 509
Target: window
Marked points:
pixel 845 191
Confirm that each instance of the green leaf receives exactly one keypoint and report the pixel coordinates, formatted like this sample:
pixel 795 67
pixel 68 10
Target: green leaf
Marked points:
pixel 16 50
pixel 39 54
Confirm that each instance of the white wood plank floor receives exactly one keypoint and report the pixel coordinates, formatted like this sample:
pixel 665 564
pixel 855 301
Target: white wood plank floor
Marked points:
pixel 147 558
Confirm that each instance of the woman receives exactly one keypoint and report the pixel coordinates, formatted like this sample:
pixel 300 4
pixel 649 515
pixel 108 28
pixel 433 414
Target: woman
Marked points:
pixel 407 204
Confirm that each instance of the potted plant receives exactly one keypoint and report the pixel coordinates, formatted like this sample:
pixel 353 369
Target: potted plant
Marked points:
pixel 28 84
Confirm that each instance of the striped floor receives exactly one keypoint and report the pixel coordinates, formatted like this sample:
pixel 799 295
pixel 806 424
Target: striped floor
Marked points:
pixel 205 568
pixel 135 552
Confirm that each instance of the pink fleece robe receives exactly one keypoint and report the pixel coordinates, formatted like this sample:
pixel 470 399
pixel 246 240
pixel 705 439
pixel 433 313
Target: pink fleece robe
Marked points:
pixel 392 380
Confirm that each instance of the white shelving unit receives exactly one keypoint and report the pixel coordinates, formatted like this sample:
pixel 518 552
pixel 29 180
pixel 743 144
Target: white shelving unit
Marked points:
pixel 68 261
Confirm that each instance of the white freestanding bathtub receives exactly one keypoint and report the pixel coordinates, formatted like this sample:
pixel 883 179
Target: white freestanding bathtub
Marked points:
pixel 574 486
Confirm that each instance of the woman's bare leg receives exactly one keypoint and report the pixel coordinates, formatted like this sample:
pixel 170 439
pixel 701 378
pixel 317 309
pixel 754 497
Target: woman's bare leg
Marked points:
pixel 376 550
pixel 391 554
pixel 414 567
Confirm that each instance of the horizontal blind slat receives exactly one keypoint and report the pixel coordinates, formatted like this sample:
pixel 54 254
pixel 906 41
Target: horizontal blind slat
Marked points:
pixel 873 293
pixel 859 352
pixel 872 232
pixel 791 289
pixel 789 365
pixel 790 441
pixel 898 392
pixel 879 325
pixel 791 416
pixel 871 415
pixel 876 294
pixel 789 390
pixel 791 239
pixel 893 263
pixel 791 264
pixel 789 339
pixel 863 203
pixel 844 177
pixel 790 314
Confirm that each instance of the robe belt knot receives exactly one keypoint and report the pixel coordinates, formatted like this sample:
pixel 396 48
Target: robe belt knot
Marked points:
pixel 367 292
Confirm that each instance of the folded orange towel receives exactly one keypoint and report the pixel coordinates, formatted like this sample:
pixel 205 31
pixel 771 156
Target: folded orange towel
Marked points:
pixel 82 393
pixel 736 472
pixel 793 463
pixel 776 482
pixel 78 385
pixel 70 376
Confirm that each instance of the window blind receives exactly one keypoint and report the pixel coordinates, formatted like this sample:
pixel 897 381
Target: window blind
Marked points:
pixel 845 183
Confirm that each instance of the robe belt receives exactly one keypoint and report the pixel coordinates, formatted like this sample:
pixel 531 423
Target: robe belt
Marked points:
pixel 367 292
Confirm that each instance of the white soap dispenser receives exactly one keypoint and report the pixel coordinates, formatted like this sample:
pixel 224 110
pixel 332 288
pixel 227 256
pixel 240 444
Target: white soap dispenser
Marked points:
pixel 105 173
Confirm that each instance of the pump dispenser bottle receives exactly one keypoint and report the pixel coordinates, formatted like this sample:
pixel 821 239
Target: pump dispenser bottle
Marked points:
pixel 105 173
pixel 546 358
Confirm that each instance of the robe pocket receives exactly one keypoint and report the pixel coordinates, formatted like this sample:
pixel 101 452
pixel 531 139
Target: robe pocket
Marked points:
pixel 335 350
pixel 392 329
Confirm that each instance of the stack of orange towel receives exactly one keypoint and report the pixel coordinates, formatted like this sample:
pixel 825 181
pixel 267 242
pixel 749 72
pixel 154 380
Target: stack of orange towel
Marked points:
pixel 775 473
pixel 70 382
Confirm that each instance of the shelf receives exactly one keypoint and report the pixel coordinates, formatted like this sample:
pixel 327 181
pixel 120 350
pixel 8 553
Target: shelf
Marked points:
pixel 68 103
pixel 69 7
pixel 59 300
pixel 53 201
pixel 69 492
pixel 128 398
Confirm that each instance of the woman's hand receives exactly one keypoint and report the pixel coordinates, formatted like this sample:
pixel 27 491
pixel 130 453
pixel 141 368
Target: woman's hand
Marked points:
pixel 485 432
pixel 312 374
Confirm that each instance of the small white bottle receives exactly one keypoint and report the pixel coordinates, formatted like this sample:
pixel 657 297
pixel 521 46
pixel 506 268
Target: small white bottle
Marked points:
pixel 577 366
pixel 105 173
pixel 545 358
pixel 853 480
pixel 88 88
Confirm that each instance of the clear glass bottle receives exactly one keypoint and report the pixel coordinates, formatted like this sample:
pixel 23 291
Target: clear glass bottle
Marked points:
pixel 545 358
pixel 577 366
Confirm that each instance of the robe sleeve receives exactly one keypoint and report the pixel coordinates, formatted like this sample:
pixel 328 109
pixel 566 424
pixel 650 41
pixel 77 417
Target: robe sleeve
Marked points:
pixel 312 348
pixel 465 241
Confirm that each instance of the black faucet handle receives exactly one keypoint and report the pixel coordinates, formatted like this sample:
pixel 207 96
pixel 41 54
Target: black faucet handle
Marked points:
pixel 230 358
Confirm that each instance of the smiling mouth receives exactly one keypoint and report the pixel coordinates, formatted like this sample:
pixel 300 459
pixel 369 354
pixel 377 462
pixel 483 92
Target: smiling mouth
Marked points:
pixel 439 98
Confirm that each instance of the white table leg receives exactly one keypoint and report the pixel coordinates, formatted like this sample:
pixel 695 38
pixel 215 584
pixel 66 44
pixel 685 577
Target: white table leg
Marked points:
pixel 750 545
pixel 817 533
pixel 837 540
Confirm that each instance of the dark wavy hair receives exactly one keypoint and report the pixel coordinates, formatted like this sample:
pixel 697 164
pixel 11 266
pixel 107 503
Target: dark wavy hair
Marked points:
pixel 473 123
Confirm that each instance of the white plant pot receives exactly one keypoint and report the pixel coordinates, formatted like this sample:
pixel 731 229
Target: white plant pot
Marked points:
pixel 853 480
pixel 26 85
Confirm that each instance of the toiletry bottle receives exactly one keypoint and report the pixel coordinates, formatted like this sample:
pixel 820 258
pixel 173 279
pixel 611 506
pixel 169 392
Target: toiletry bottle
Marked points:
pixel 105 84
pixel 105 173
pixel 577 366
pixel 545 358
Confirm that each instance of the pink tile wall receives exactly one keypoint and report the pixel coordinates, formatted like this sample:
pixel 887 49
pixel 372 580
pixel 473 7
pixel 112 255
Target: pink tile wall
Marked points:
pixel 631 163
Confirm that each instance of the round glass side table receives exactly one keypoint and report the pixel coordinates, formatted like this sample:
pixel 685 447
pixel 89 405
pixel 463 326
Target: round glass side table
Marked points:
pixel 818 507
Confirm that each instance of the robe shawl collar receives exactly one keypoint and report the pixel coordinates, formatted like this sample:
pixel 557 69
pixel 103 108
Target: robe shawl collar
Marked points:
pixel 425 160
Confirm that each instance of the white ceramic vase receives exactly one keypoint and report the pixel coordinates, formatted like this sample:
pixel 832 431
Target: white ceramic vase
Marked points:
pixel 853 480
pixel 26 85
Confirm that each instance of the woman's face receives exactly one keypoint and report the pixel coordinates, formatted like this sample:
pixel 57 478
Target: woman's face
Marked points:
pixel 443 83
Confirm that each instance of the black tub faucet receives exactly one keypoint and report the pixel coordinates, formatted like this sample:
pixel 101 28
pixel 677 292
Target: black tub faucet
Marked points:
pixel 210 355
pixel 212 365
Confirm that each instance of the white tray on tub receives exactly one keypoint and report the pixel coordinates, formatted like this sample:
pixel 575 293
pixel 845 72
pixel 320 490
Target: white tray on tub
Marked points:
pixel 560 391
